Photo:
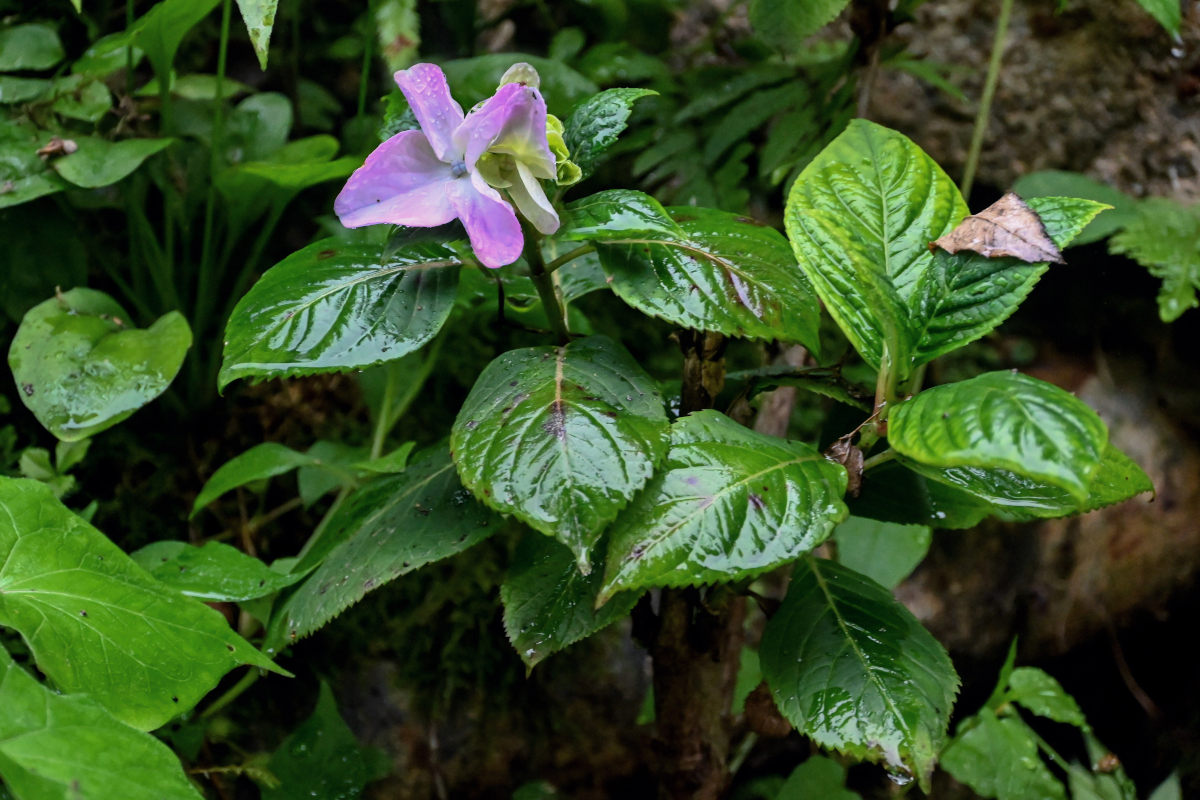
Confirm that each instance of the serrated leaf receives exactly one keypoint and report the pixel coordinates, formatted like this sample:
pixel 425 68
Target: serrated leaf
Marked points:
pixel 785 24
pixel 697 267
pixel 214 572
pixel 262 461
pixel 595 124
pixel 853 670
pixel 1043 695
pixel 751 113
pixel 729 503
pixel 561 437
pixel 1057 183
pixel 549 604
pixel 860 217
pixel 998 757
pixel 335 306
pixel 32 46
pixel 322 758
pixel 81 366
pixel 389 527
pixel 1162 238
pixel 883 551
pixel 96 621
pixel 967 295
pixel 1006 421
pixel 259 16
pixel 68 746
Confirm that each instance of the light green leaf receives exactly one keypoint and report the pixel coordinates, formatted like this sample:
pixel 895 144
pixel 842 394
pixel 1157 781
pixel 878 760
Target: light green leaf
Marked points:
pixel 561 438
pixel 67 746
pixel 818 778
pixel 389 463
pixel 1087 785
pixel 81 97
pixel 22 90
pixel 966 295
pixel 549 605
pixel 1169 789
pixel 1007 421
pixel 728 504
pixel 106 55
pixel 196 87
pixel 214 572
pixel 335 306
pixel 96 621
pixel 262 461
pixel 161 30
pixel 1162 238
pixel 33 46
pixel 785 24
pixel 854 671
pixel 398 32
pixel 998 757
pixel 82 368
pixel 883 551
pixel 259 16
pixel 322 759
pixel 1056 183
pixel 697 267
pixel 860 217
pixel 1044 696
pixel 336 469
pixel 99 162
pixel 595 124
pixel 1167 12
pixel 387 528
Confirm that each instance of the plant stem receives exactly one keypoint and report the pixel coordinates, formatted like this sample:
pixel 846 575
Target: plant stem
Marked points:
pixel 233 693
pixel 985 103
pixel 545 284
pixel 385 415
pixel 878 458
pixel 205 285
pixel 368 48
pixel 566 258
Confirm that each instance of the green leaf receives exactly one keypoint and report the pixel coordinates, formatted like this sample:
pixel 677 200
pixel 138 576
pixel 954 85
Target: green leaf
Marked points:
pixel 1167 12
pixel 32 46
pixel 818 778
pixel 883 551
pixel 1163 239
pixel 1044 696
pixel 1056 183
pixel 549 605
pixel 697 267
pixel 262 461
pixel 750 114
pixel 322 759
pixel 67 746
pixel 860 217
pixel 595 124
pixel 336 469
pixel 215 572
pixel 196 87
pixel 259 16
pixel 161 30
pixel 23 175
pixel 561 438
pixel 998 757
pixel 388 528
pixel 854 671
pixel 81 97
pixel 82 368
pixel 335 306
pixel 1170 789
pixel 99 162
pixel 785 24
pixel 729 503
pixel 96 621
pixel 967 294
pixel 22 90
pixel 1007 421
pixel 1086 785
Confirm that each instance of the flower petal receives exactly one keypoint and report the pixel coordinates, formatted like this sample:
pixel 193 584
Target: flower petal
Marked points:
pixel 402 183
pixel 512 122
pixel 425 88
pixel 532 202
pixel 491 223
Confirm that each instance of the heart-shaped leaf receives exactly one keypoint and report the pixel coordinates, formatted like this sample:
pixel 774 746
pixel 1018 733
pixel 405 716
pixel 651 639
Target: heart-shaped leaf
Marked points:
pixel 697 267
pixel 730 503
pixel 54 745
pixel 561 438
pixel 81 368
pixel 853 670
pixel 335 306
pixel 1005 421
pixel 96 621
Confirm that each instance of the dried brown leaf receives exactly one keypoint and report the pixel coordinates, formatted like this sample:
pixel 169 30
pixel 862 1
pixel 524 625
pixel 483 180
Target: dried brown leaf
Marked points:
pixel 1007 227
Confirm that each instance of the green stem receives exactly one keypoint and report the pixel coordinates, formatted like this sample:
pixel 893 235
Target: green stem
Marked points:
pixel 879 458
pixel 206 289
pixel 566 258
pixel 985 103
pixel 385 415
pixel 234 693
pixel 129 50
pixel 368 48
pixel 545 284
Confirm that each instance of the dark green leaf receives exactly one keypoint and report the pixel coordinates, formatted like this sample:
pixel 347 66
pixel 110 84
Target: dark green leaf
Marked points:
pixel 854 671
pixel 161 30
pixel 729 503
pixel 998 757
pixel 883 551
pixel 41 252
pixel 23 175
pixel 697 267
pixel 99 162
pixel 818 778
pixel 81 97
pixel 1163 239
pixel 82 368
pixel 215 572
pixel 549 605
pixel 785 24
pixel 67 746
pixel 561 437
pixel 336 470
pixel 335 306
pixel 22 90
pixel 1087 785
pixel 387 528
pixel 750 114
pixel 1055 183
pixel 32 46
pixel 595 124
pixel 96 621
pixel 262 461
pixel 322 759
pixel 1007 421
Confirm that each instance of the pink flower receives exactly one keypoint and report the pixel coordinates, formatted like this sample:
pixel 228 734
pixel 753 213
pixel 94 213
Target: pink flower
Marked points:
pixel 452 167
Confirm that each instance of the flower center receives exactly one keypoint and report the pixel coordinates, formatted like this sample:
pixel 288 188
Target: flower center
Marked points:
pixel 458 169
